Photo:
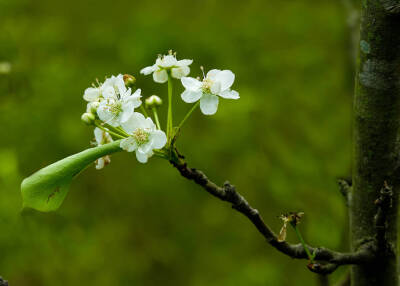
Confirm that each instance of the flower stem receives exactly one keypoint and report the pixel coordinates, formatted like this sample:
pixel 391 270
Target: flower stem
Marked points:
pixel 143 109
pixel 118 130
pixel 300 237
pixel 161 154
pixel 108 131
pixel 169 118
pixel 156 118
pixel 188 114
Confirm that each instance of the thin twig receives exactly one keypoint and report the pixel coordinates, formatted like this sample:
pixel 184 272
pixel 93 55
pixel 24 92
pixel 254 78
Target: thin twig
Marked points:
pixel 330 259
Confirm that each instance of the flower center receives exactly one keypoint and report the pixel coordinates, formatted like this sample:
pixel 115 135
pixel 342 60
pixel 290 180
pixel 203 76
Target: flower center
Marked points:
pixel 114 106
pixel 141 136
pixel 207 83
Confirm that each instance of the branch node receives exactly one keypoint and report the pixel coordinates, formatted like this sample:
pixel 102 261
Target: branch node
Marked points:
pixel 345 188
pixel 323 269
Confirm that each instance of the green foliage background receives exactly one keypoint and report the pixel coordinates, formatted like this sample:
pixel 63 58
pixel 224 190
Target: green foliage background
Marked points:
pixel 282 144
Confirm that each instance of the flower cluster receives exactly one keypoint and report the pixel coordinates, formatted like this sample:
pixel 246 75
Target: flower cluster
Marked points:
pixel 113 107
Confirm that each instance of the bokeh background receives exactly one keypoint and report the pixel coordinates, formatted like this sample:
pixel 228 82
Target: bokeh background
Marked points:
pixel 283 144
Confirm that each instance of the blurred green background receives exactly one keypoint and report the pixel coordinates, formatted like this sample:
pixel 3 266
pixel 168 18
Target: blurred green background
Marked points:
pixel 282 144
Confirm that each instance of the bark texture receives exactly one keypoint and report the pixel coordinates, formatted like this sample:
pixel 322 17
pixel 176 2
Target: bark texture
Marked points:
pixel 376 148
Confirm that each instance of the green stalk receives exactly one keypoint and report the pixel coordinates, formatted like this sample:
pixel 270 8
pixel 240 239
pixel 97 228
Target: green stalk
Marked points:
pixel 117 130
pixel 300 237
pixel 188 114
pixel 156 118
pixel 143 110
pixel 108 131
pixel 169 118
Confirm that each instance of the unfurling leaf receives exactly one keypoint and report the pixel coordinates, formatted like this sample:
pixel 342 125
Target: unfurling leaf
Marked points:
pixel 46 189
pixel 282 233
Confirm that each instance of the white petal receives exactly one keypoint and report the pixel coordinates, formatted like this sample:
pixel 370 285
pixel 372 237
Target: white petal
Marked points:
pixel 125 92
pixel 120 84
pixel 128 144
pixel 137 93
pixel 135 98
pixel 136 120
pixel 145 148
pixel 98 135
pixel 215 87
pixel 212 73
pixel 160 76
pixel 108 91
pixel 226 78
pixel 149 124
pixel 184 63
pixel 149 70
pixel 230 94
pixel 168 61
pixel 191 84
pixel 126 114
pixel 189 96
pixel 209 104
pixel 141 157
pixel 159 139
pixel 180 72
pixel 91 94
pixel 100 163
pixel 103 112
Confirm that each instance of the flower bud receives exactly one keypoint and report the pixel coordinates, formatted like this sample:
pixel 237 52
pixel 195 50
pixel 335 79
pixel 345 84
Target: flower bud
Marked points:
pixel 129 80
pixel 88 118
pixel 153 101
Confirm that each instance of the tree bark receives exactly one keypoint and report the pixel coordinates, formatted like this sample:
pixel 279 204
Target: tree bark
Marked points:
pixel 376 131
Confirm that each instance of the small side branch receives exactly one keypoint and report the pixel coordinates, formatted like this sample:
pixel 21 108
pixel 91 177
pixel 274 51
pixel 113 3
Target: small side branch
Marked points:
pixel 3 282
pixel 329 259
pixel 345 188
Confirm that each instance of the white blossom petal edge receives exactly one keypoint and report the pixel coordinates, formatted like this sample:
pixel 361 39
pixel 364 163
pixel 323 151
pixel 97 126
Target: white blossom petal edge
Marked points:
pixel 167 63
pixel 102 138
pixel 216 83
pixel 144 137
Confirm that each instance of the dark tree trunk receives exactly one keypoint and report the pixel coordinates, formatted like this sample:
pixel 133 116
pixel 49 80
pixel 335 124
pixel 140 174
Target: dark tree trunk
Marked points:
pixel 376 132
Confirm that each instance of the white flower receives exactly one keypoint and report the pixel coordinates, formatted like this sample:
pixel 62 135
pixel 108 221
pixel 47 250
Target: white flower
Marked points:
pixel 216 83
pixel 144 137
pixel 164 64
pixel 118 107
pixel 111 87
pixel 102 138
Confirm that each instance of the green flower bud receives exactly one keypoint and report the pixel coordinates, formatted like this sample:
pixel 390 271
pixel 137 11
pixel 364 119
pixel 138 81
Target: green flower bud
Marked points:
pixel 88 118
pixel 153 101
pixel 129 80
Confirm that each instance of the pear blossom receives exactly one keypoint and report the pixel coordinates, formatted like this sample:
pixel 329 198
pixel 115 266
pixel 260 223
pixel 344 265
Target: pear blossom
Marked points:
pixel 118 103
pixel 144 137
pixel 110 87
pixel 167 63
pixel 102 138
pixel 216 83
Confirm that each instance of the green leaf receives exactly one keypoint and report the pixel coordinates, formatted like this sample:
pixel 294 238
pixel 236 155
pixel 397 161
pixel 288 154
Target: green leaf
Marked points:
pixel 46 189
